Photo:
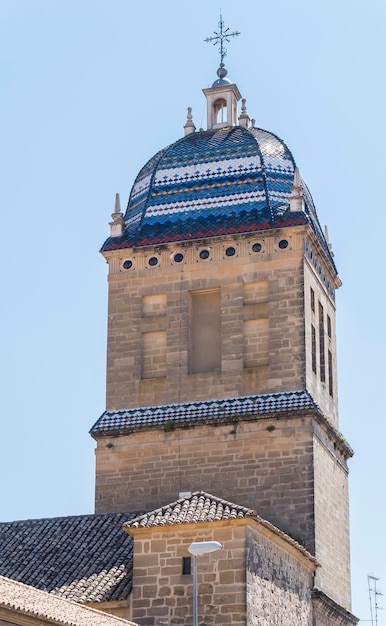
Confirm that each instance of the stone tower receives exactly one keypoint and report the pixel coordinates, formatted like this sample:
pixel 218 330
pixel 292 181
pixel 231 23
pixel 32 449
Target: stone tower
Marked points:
pixel 221 361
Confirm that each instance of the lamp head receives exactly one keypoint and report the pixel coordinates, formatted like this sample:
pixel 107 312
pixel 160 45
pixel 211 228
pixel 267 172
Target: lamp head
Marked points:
pixel 198 548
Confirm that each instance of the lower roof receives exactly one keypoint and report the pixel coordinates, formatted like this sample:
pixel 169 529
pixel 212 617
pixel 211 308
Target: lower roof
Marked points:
pixel 85 558
pixel 16 597
pixel 89 558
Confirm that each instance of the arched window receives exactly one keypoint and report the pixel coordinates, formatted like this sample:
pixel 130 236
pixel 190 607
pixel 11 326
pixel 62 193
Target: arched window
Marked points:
pixel 220 111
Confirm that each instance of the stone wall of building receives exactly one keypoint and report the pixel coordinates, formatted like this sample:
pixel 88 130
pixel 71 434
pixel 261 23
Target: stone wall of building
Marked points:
pixel 279 584
pixel 287 469
pixel 332 521
pixel 329 613
pixel 254 344
pixel 121 608
pixel 266 465
pixel 163 595
pixel 256 578
pixel 320 338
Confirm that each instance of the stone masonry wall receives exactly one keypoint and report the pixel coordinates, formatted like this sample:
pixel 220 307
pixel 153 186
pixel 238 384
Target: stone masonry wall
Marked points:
pixel 278 585
pixel 320 390
pixel 287 470
pixel 265 465
pixel 328 613
pixel 332 523
pixel 150 321
pixel 162 595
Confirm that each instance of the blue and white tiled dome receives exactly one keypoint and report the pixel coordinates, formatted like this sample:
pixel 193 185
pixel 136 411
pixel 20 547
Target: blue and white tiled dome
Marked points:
pixel 213 183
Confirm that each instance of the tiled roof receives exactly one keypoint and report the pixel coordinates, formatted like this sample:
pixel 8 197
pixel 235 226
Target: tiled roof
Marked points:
pixel 198 507
pixel 213 183
pixel 203 507
pixel 27 600
pixel 86 558
pixel 209 412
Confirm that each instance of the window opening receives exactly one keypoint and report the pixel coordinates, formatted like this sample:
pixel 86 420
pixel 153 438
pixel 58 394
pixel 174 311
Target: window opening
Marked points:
pixel 321 345
pixel 205 332
pixel 186 565
pixel 312 292
pixel 220 111
pixel 313 348
pixel 204 254
pixel 330 375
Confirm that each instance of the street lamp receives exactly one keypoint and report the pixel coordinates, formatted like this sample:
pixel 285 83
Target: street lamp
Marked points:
pixel 198 548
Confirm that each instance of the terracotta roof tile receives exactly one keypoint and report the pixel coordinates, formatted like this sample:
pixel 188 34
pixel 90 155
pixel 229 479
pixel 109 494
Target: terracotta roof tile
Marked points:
pixel 86 558
pixel 202 507
pixel 27 600
pixel 199 507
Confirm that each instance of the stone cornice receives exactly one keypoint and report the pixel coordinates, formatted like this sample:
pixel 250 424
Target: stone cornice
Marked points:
pixel 329 609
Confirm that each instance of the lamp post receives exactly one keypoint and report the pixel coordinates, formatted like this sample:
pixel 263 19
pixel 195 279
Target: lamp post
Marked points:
pixel 196 549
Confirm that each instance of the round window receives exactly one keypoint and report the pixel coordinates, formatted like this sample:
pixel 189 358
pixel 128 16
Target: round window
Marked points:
pixel 127 264
pixel 230 251
pixel 256 247
pixel 153 261
pixel 178 257
pixel 283 243
pixel 204 254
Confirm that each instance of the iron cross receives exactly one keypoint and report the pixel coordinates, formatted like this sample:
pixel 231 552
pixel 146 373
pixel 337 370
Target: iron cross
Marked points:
pixel 221 37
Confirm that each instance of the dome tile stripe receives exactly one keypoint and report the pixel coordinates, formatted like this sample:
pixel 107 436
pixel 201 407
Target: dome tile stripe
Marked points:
pixel 211 411
pixel 217 202
pixel 207 170
pixel 213 183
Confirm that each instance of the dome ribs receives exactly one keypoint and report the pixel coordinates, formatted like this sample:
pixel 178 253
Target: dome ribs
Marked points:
pixel 213 183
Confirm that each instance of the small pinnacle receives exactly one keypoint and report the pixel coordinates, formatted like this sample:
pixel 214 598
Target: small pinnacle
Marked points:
pixel 117 208
pixel 117 215
pixel 296 198
pixel 244 117
pixel 117 225
pixel 189 125
pixel 328 240
pixel 296 177
pixel 244 113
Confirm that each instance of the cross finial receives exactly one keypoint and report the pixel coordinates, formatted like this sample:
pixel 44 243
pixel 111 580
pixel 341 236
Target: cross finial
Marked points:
pixel 220 37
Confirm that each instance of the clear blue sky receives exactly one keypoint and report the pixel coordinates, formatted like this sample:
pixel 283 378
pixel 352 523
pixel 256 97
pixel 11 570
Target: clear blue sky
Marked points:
pixel 89 91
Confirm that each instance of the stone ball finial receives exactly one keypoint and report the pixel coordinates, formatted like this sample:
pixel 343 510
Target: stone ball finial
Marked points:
pixel 222 71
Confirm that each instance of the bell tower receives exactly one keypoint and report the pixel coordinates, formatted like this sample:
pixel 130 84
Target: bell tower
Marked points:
pixel 221 357
pixel 222 99
pixel 223 96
